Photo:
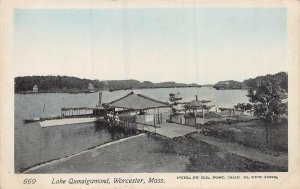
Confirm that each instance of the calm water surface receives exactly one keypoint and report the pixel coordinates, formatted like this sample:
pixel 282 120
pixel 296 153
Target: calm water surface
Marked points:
pixel 34 145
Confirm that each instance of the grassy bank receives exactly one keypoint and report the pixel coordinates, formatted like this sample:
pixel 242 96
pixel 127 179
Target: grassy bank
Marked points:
pixel 208 158
pixel 252 134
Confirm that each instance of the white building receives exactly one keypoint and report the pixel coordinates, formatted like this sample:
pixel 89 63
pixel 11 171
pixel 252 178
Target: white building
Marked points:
pixel 35 89
pixel 91 88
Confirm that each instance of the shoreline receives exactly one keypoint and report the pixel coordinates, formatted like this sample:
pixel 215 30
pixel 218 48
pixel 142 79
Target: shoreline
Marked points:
pixel 109 90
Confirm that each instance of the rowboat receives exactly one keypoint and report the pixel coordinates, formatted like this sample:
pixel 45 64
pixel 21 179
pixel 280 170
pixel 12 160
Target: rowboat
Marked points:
pixel 31 120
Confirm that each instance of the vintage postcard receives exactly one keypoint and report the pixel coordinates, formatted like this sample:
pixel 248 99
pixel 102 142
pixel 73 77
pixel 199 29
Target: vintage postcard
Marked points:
pixel 152 94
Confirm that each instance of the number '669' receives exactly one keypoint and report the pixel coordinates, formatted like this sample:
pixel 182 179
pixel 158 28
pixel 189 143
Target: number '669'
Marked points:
pixel 29 181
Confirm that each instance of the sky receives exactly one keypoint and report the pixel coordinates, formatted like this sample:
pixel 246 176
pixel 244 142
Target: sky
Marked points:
pixel 190 45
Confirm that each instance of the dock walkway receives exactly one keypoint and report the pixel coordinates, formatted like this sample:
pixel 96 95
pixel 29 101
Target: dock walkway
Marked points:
pixel 170 130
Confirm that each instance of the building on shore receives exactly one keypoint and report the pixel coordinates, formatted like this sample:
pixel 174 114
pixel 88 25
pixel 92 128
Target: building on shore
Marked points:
pixel 145 109
pixel 35 89
pixel 91 88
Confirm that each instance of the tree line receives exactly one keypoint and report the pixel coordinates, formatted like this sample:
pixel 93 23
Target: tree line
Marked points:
pixel 66 84
pixel 281 78
pixel 54 84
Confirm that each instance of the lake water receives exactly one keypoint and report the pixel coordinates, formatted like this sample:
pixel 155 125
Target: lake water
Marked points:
pixel 34 145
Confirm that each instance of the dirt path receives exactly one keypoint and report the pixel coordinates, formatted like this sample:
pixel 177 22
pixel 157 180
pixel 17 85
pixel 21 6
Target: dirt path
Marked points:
pixel 250 153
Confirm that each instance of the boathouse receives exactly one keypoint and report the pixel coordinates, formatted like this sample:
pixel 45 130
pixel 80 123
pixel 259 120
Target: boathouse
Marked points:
pixel 144 108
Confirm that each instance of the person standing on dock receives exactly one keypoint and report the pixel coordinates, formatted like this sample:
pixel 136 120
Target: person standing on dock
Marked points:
pixel 116 118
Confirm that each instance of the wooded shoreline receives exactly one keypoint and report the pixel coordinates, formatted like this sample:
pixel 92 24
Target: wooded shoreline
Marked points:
pixel 74 85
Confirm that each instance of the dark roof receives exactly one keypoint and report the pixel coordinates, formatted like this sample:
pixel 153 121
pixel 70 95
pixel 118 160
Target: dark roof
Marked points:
pixel 195 103
pixel 137 102
pixel 82 108
pixel 199 103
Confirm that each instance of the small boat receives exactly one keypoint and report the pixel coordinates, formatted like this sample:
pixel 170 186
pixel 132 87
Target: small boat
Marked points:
pixel 224 109
pixel 174 97
pixel 36 119
pixel 67 121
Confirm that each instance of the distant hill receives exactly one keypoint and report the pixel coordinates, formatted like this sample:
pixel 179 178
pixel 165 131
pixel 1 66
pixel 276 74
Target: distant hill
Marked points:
pixel 66 84
pixel 229 84
pixel 281 77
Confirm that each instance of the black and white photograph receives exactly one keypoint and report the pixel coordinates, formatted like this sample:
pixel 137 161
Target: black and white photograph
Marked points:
pixel 179 89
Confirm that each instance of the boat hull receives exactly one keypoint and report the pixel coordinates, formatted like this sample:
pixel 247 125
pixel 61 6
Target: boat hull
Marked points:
pixel 66 121
pixel 32 120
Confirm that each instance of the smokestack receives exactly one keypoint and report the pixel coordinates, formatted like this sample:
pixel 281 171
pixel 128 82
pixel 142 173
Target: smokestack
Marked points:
pixel 100 99
pixel 196 97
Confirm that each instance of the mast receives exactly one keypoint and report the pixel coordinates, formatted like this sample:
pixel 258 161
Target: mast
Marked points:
pixel 44 111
